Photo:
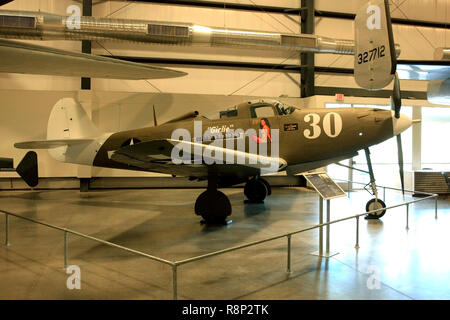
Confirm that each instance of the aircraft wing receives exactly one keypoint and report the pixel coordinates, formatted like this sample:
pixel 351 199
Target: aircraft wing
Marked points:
pixel 306 166
pixel 156 156
pixel 22 57
pixel 423 70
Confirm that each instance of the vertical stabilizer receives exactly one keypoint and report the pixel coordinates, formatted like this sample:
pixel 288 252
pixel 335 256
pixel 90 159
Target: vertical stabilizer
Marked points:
pixel 375 55
pixel 68 120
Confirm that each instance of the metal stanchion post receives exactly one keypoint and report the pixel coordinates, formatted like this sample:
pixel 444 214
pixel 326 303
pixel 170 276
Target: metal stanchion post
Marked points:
pixel 321 228
pixel 348 189
pixel 7 229
pixel 327 253
pixel 174 282
pixel 407 217
pixel 357 233
pixel 320 252
pixel 384 194
pixel 328 229
pixel 288 254
pixel 66 248
pixel 435 207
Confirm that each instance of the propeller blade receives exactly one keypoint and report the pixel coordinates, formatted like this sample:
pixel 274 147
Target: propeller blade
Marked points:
pixel 155 123
pixel 400 162
pixel 396 99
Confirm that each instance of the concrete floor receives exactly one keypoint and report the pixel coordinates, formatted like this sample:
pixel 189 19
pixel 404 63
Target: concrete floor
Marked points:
pixel 410 264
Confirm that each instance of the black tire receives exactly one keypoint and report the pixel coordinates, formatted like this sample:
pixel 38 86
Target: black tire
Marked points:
pixel 213 207
pixel 255 190
pixel 374 204
pixel 268 187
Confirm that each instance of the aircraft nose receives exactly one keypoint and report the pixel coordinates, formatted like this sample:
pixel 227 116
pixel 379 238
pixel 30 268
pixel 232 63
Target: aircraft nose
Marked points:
pixel 400 124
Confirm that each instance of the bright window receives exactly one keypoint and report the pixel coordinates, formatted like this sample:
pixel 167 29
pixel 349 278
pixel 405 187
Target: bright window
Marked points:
pixel 435 138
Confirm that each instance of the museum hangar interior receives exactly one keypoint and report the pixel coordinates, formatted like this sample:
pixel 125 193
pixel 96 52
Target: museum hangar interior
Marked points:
pixel 145 233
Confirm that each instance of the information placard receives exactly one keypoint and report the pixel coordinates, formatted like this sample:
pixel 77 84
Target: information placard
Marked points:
pixel 324 185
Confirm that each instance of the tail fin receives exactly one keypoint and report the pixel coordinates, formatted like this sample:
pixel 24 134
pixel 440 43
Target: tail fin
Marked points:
pixel 375 54
pixel 68 120
pixel 71 136
pixel 28 169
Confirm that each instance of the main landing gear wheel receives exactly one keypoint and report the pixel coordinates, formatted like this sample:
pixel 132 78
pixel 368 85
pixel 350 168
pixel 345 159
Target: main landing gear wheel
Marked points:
pixel 374 204
pixel 256 190
pixel 213 206
pixel 269 188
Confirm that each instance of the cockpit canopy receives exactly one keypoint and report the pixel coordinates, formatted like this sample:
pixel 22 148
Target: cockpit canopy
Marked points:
pixel 255 109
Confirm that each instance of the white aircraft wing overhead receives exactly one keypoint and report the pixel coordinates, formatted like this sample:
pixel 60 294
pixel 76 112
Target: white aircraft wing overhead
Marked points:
pixel 21 57
pixel 423 70
pixel 437 72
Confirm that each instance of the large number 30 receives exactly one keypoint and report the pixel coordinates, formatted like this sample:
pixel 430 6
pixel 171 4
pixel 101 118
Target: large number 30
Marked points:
pixel 332 125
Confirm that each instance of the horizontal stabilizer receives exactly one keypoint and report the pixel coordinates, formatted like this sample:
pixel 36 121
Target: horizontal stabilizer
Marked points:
pixel 50 144
pixel 28 169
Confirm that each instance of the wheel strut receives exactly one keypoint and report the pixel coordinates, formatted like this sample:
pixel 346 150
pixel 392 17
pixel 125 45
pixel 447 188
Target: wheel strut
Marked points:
pixel 372 176
pixel 373 204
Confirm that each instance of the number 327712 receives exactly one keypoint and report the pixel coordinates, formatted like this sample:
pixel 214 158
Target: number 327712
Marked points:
pixel 375 53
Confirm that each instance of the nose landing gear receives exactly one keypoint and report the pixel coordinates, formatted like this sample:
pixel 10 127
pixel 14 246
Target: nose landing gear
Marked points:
pixel 375 203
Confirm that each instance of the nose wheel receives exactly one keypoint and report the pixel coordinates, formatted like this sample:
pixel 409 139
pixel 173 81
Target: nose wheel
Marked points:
pixel 375 204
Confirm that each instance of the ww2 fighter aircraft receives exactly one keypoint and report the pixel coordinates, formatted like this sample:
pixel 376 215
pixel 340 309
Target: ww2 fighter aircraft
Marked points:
pixel 242 143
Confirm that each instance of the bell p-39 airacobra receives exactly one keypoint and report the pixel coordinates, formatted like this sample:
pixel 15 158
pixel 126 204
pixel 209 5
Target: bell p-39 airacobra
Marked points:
pixel 242 143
